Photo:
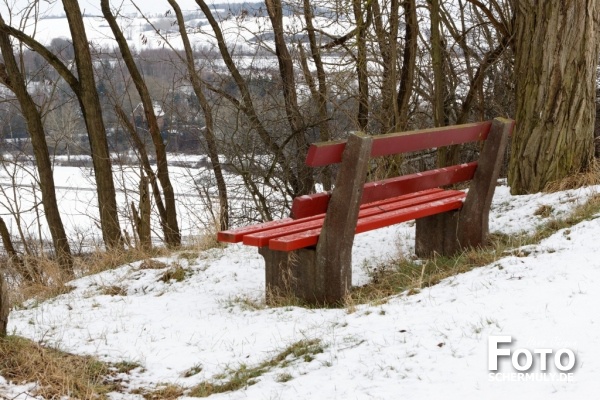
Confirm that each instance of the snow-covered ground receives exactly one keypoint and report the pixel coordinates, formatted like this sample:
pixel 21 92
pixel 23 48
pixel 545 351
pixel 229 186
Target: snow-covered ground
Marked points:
pixel 430 345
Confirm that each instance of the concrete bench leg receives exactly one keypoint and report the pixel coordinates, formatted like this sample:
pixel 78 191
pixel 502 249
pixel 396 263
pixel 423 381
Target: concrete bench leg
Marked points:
pixel 323 275
pixel 450 232
pixel 437 234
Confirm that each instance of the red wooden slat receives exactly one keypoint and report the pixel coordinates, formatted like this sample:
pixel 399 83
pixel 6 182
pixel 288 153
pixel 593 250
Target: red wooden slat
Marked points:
pixel 262 238
pixel 236 235
pixel 315 204
pixel 310 237
pixel 325 153
pixel 305 206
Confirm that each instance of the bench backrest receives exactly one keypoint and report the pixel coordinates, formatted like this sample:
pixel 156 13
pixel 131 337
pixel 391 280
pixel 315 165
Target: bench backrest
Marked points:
pixel 326 153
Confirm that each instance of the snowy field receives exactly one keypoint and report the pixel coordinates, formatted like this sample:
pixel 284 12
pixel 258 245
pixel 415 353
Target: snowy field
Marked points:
pixel 431 345
pixel 77 198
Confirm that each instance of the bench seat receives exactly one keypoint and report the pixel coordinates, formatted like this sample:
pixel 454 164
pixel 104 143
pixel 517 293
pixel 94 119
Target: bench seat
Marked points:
pixel 292 234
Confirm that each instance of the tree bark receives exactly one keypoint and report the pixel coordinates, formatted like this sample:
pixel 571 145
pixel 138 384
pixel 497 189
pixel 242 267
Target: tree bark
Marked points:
pixel 4 306
pixel 169 219
pixel 409 63
pixel 361 65
pixel 320 95
pixel 386 32
pixel 287 74
pixel 556 54
pixel 92 113
pixel 15 81
pixel 448 155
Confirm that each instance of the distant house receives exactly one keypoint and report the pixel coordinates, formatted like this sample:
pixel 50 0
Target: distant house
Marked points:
pixel 139 115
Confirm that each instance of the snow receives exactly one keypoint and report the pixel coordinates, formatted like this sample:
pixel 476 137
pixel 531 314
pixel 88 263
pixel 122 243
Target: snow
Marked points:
pixel 422 346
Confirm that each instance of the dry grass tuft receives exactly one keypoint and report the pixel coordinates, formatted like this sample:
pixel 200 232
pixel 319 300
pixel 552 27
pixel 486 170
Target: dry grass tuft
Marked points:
pixel 410 276
pixel 176 273
pixel 164 392
pixel 99 261
pixel 57 374
pixel 589 177
pixel 113 290
pixel 38 278
pixel 204 242
pixel 152 264
pixel 406 275
pixel 243 376
pixel 42 278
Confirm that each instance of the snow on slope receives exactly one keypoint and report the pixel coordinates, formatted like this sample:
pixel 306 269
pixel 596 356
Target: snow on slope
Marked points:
pixel 427 346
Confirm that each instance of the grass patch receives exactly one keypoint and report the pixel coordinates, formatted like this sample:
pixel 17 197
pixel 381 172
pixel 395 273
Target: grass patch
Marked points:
pixel 405 275
pixel 245 376
pixel 583 212
pixel 125 367
pixel 58 374
pixel 189 256
pixel 245 303
pixel 195 370
pixel 152 264
pixel 113 290
pixel 164 392
pixel 41 278
pixel 589 177
pixel 177 273
pixel 544 211
pixel 411 276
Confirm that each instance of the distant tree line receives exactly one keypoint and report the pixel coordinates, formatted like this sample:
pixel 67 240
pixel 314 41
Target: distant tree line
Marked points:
pixel 389 65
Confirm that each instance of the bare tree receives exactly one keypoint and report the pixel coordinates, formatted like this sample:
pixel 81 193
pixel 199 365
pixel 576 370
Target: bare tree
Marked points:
pixel 209 129
pixel 84 87
pixel 92 112
pixel 409 62
pixel 11 76
pixel 4 305
pixel 168 212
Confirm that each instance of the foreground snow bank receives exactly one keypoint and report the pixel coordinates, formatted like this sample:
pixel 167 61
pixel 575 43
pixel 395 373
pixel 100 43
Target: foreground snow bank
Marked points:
pixel 428 345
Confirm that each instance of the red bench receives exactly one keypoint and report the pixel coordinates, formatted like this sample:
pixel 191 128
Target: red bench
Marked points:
pixel 309 254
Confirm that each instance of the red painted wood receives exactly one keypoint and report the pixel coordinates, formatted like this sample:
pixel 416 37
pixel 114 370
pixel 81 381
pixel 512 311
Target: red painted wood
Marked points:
pixel 325 153
pixel 310 237
pixel 236 235
pixel 308 205
pixel 262 238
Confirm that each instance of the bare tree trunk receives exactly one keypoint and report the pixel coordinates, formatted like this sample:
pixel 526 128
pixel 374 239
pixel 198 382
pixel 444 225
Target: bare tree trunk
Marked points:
pixel 141 217
pixel 446 155
pixel 92 112
pixel 387 41
pixel 14 80
pixel 4 306
pixel 409 62
pixel 320 94
pixel 169 220
pixel 8 245
pixel 84 88
pixel 556 48
pixel 209 135
pixel 361 65
pixel 286 72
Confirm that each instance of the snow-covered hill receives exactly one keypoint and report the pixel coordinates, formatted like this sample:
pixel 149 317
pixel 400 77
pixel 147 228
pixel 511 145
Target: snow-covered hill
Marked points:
pixel 430 345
